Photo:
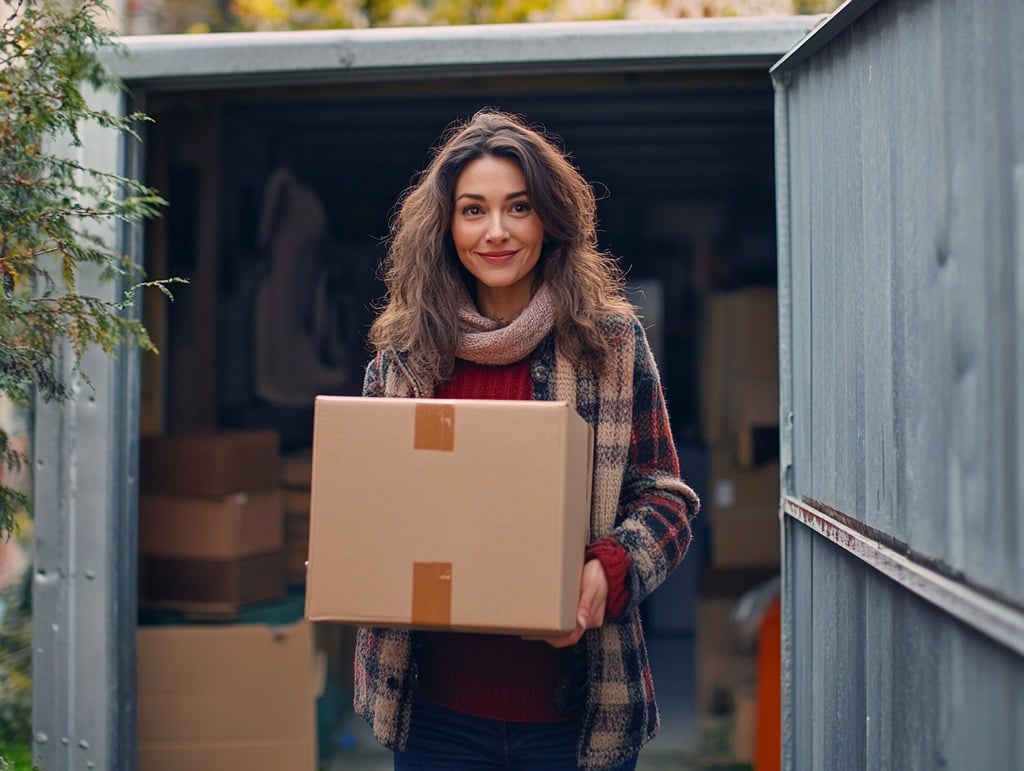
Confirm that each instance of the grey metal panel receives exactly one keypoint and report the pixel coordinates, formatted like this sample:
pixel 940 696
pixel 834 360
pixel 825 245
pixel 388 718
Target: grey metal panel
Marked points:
pixel 83 589
pixel 909 271
pixel 902 258
pixel 888 680
pixel 335 55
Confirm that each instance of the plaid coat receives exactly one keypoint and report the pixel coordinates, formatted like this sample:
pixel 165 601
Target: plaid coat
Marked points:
pixel 637 496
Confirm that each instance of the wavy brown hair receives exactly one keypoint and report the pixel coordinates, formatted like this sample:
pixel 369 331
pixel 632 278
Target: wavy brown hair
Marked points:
pixel 425 279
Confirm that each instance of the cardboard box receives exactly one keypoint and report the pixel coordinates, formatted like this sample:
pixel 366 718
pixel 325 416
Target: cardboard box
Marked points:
pixel 297 469
pixel 229 527
pixel 723 664
pixel 211 586
pixel 296 535
pixel 221 697
pixel 740 345
pixel 743 724
pixel 732 486
pixel 466 515
pixel 209 463
pixel 744 515
pixel 297 501
pixel 746 537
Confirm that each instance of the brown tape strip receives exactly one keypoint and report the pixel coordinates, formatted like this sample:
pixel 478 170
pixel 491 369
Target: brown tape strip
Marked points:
pixel 435 427
pixel 432 593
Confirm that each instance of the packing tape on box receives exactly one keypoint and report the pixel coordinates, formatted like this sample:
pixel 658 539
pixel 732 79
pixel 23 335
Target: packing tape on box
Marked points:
pixel 435 427
pixel 432 593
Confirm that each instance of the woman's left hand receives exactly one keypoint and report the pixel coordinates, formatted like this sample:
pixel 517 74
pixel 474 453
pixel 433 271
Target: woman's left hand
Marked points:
pixel 590 611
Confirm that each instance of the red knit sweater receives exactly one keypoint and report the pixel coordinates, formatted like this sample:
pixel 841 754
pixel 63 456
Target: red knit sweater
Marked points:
pixel 504 677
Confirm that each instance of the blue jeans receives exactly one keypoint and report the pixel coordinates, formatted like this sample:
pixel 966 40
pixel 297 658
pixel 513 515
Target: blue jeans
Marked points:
pixel 441 739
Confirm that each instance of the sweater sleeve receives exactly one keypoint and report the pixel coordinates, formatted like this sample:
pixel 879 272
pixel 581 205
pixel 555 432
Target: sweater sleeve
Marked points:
pixel 615 560
pixel 655 505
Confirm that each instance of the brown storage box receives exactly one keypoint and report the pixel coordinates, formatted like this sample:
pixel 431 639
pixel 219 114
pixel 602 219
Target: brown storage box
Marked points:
pixel 297 469
pixel 733 487
pixel 212 698
pixel 745 537
pixel 468 515
pixel 209 464
pixel 296 535
pixel 740 345
pixel 723 665
pixel 297 502
pixel 211 528
pixel 295 553
pixel 743 724
pixel 744 514
pixel 211 586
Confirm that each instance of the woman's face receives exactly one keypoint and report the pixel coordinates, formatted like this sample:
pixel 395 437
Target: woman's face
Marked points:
pixel 497 234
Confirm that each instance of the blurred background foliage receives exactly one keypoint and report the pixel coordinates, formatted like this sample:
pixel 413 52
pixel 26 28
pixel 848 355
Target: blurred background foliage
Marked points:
pixel 174 16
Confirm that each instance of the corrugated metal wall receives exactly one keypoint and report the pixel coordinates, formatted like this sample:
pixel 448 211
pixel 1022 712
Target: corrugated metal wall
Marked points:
pixel 901 165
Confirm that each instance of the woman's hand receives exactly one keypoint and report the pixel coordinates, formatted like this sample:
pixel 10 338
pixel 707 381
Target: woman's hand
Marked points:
pixel 590 611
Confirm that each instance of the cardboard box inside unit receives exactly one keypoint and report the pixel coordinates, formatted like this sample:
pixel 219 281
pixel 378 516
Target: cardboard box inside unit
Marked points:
pixel 209 463
pixel 211 586
pixel 467 515
pixel 231 526
pixel 732 486
pixel 744 514
pixel 221 697
pixel 740 344
pixel 297 469
pixel 724 663
pixel 745 537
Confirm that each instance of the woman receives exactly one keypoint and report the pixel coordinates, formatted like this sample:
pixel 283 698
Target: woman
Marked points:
pixel 496 289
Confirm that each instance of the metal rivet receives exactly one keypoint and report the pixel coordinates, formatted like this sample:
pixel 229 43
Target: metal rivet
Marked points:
pixel 42 738
pixel 90 574
pixel 83 744
pixel 64 741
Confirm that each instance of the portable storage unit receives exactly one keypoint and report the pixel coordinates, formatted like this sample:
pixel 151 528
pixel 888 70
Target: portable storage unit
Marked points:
pixel 901 286
pixel 282 155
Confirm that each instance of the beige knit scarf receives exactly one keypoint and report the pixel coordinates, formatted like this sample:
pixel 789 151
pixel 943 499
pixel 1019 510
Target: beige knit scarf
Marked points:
pixel 486 341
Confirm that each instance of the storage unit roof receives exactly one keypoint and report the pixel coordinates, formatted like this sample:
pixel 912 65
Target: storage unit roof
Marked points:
pixel 339 55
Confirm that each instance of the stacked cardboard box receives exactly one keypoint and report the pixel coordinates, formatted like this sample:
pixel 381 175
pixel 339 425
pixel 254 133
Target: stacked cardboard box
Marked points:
pixel 744 514
pixel 740 398
pixel 726 676
pixel 740 418
pixel 210 521
pixel 213 697
pixel 296 476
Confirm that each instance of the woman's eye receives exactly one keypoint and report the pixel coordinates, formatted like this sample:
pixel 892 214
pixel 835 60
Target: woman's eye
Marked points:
pixel 520 207
pixel 471 211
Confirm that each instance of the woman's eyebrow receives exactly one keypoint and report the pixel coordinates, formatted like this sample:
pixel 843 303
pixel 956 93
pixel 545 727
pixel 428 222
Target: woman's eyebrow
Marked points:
pixel 478 197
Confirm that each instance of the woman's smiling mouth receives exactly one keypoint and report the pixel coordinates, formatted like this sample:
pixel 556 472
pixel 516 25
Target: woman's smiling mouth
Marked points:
pixel 502 256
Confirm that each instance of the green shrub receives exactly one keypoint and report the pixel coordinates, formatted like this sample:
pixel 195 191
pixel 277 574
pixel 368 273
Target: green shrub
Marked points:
pixel 16 669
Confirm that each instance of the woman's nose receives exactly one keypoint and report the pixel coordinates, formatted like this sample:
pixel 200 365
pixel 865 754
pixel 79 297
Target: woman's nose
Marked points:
pixel 496 230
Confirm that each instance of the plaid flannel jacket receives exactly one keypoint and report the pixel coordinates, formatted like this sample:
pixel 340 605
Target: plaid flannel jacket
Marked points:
pixel 638 497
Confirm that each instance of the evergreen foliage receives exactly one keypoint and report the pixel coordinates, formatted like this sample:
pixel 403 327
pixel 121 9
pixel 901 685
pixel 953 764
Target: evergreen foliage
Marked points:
pixel 52 206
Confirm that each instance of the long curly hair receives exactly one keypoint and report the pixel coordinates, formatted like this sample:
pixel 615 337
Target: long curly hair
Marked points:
pixel 425 279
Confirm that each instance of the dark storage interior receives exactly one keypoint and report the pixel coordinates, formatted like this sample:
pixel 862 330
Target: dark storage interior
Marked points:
pixel 682 163
pixel 279 202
